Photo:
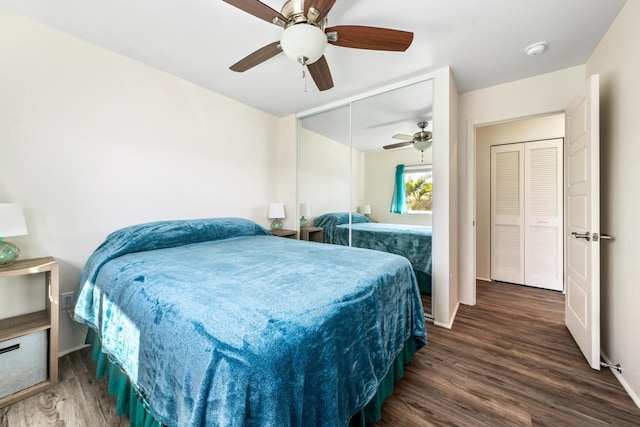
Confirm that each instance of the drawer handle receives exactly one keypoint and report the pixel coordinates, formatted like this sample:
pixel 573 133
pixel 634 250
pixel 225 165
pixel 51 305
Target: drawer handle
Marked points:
pixel 10 348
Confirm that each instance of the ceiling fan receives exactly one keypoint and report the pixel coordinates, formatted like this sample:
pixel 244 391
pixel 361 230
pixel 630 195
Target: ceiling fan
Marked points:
pixel 420 140
pixel 306 35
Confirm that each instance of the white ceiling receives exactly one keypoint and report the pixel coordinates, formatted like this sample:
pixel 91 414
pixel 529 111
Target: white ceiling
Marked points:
pixel 374 120
pixel 197 40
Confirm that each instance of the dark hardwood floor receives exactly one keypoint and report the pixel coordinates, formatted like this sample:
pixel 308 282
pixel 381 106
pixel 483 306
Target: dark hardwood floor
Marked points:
pixel 508 361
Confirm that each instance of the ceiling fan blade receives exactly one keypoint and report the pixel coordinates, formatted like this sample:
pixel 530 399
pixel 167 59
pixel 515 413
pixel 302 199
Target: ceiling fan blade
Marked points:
pixel 257 57
pixel 324 6
pixel 374 38
pixel 396 145
pixel 257 9
pixel 403 137
pixel 321 74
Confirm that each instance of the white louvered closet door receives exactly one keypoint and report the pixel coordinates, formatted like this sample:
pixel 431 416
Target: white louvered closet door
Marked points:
pixel 543 214
pixel 507 213
pixel 527 214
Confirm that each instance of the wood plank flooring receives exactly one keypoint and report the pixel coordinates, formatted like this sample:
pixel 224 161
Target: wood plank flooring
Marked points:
pixel 79 400
pixel 508 361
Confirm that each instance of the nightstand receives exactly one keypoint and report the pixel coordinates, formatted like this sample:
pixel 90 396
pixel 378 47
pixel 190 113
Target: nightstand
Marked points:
pixel 291 234
pixel 312 234
pixel 29 342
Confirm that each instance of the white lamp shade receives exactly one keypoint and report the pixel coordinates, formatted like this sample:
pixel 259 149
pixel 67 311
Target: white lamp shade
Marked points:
pixel 276 210
pixel 421 145
pixel 303 43
pixel 304 209
pixel 12 220
pixel 366 209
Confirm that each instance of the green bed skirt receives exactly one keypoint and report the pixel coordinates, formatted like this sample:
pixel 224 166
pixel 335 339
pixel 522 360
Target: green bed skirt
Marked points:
pixel 129 401
pixel 424 282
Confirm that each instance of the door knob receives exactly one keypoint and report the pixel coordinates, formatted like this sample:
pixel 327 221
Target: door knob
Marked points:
pixel 586 236
pixel 601 237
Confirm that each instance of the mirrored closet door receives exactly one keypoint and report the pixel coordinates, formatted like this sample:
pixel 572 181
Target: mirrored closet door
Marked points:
pixel 324 180
pixel 344 167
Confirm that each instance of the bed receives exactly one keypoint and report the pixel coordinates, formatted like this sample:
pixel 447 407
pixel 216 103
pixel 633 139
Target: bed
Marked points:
pixel 216 322
pixel 410 241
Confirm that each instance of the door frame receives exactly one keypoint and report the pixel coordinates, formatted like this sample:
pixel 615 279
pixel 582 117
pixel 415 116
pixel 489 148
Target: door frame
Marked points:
pixel 470 231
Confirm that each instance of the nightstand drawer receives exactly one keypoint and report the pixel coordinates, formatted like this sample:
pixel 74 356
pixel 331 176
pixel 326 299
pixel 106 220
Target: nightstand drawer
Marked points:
pixel 23 362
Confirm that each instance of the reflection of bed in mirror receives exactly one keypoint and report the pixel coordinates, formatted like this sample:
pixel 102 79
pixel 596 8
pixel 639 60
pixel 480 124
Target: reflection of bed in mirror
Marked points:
pixel 410 241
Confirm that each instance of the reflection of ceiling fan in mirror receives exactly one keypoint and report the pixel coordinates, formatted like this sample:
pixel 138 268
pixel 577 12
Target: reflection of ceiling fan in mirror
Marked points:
pixel 306 35
pixel 420 140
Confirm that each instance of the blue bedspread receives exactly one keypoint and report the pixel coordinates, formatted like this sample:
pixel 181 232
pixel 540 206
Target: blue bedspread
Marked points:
pixel 241 328
pixel 410 241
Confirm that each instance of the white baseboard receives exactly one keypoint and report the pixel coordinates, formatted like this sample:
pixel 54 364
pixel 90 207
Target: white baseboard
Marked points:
pixel 634 396
pixel 449 324
pixel 71 350
pixel 483 279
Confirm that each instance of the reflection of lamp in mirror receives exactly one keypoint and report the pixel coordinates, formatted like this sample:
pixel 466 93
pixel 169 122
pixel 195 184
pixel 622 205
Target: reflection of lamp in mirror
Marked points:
pixel 304 211
pixel 276 213
pixel 366 210
pixel 11 224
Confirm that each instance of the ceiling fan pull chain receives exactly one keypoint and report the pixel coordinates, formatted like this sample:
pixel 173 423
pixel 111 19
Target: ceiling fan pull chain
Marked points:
pixel 304 75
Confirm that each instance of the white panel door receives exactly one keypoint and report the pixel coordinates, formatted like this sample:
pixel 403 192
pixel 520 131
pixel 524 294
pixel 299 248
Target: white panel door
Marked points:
pixel 543 219
pixel 582 164
pixel 507 213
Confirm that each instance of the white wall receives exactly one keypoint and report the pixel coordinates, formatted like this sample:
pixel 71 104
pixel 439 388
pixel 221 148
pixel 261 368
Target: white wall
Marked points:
pixel 532 129
pixel 324 180
pixel 358 169
pixel 543 94
pixel 380 171
pixel 617 60
pixel 92 141
pixel 286 150
pixel 445 219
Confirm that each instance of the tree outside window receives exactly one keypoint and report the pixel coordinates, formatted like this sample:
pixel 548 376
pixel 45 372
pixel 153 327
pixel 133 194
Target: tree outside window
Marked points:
pixel 418 186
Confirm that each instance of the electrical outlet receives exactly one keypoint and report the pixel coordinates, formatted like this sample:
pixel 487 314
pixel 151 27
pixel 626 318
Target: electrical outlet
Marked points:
pixel 67 300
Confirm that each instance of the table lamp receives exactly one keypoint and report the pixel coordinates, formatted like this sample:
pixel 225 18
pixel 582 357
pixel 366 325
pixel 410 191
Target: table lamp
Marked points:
pixel 11 224
pixel 276 212
pixel 366 210
pixel 304 211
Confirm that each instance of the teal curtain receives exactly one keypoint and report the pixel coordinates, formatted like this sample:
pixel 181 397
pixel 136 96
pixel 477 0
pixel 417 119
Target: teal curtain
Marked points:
pixel 398 202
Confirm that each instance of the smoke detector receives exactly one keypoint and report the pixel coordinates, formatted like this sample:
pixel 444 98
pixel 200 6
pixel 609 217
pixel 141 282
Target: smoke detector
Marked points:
pixel 536 48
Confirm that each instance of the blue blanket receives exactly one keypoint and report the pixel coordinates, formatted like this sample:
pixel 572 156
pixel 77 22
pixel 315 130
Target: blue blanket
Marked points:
pixel 330 222
pixel 226 325
pixel 410 241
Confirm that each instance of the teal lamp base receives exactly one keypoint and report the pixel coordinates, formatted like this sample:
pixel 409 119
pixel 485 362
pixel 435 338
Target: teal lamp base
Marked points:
pixel 303 222
pixel 8 253
pixel 276 224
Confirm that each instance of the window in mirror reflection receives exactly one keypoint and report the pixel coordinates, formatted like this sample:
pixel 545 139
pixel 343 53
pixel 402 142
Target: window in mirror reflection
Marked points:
pixel 418 186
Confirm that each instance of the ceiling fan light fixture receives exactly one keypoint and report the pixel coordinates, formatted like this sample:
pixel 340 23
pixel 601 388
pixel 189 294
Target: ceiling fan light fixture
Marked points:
pixel 422 145
pixel 303 43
